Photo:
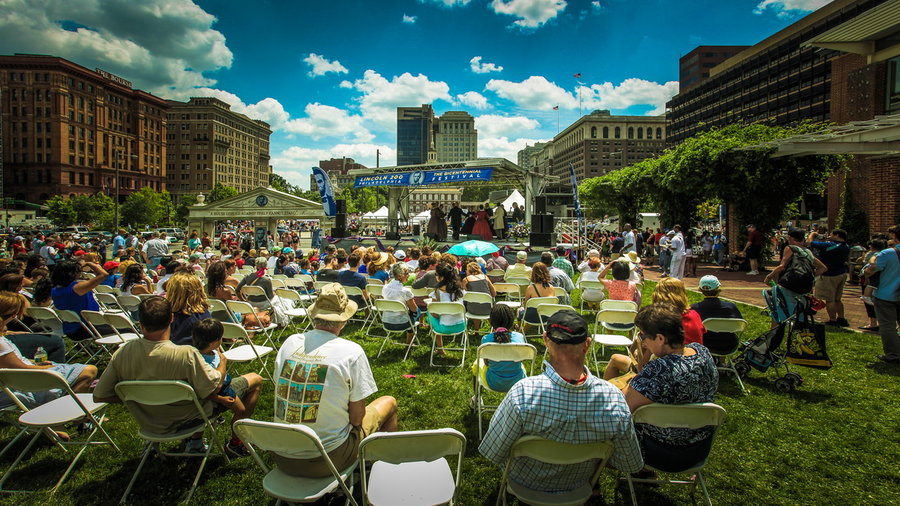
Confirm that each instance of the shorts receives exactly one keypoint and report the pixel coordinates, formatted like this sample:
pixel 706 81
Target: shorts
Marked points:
pixel 830 288
pixel 753 251
pixel 342 456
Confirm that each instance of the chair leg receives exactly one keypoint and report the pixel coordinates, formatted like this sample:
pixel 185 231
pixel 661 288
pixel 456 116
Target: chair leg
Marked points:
pixel 12 443
pixel 19 459
pixel 703 487
pixel 147 450
pixel 631 489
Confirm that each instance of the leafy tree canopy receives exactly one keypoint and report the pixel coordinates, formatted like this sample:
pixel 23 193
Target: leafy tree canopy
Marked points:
pixel 93 210
pixel 147 207
pixel 220 192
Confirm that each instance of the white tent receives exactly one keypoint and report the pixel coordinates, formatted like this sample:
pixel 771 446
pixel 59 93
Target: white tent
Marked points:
pixel 379 214
pixel 516 197
pixel 422 217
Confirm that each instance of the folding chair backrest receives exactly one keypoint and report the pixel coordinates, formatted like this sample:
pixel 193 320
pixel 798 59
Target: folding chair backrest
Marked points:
pixel 94 319
pixel 422 292
pixel 537 301
pixel 412 446
pixel 619 316
pixel 278 437
pixel 587 284
pixel 507 288
pixel 218 309
pixel 478 298
pixel 295 282
pixel 374 289
pixel 32 380
pixel 287 293
pixel 374 281
pixel 556 453
pixel 105 289
pixel 129 302
pixel 560 291
pixel 235 332
pixel 731 325
pixel 507 352
pixel 239 306
pixel 107 299
pixel 390 305
pixel 119 322
pixel 496 273
pixel 253 291
pixel 46 317
pixel 280 276
pixel 626 305
pixel 303 278
pixel 447 308
pixel 548 310
pixel 319 284
pixel 278 283
pixel 684 416
pixel 519 281
pixel 68 316
pixel 157 393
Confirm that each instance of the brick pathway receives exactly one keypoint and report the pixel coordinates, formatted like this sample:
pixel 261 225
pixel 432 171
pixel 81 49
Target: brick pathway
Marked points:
pixel 740 287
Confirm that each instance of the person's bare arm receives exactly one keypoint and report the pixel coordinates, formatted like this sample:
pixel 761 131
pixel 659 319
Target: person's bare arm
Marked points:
pixel 222 371
pixel 11 361
pixel 820 267
pixel 491 287
pixel 86 286
pixel 785 260
pixel 357 411
pixel 635 399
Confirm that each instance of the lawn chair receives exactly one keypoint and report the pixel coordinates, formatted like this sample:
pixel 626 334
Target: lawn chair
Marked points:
pixel 68 408
pixel 410 468
pixel 735 326
pixel 107 302
pixel 241 309
pixel 52 321
pixel 109 342
pixel 534 302
pixel 220 311
pixel 555 453
pixel 279 283
pixel 130 304
pixel 685 416
pixel 248 291
pixel 589 285
pixel 506 352
pixel 364 307
pixel 622 305
pixel 300 310
pixel 106 289
pixel 235 334
pixel 478 298
pixel 149 394
pixel 513 298
pixel 612 320
pixel 282 437
pixel 436 309
pixel 382 306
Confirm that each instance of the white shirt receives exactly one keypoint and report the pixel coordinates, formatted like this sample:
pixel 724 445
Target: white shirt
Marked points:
pixel 395 290
pixel 664 241
pixel 678 245
pixel 591 294
pixel 628 245
pixel 319 374
pixel 412 264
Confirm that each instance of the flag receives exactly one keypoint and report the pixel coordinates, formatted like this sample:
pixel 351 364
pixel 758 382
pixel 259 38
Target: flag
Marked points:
pixel 325 191
pixel 555 107
pixel 577 76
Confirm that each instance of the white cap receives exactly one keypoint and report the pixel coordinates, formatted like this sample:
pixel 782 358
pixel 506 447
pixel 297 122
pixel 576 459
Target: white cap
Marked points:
pixel 522 255
pixel 400 254
pixel 593 253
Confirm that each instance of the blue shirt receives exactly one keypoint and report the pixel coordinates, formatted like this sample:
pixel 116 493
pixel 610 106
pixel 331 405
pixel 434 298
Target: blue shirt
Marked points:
pixel 64 297
pixel 887 262
pixel 213 360
pixel 833 254
pixel 118 243
pixel 350 278
pixel 381 275
pixel 501 376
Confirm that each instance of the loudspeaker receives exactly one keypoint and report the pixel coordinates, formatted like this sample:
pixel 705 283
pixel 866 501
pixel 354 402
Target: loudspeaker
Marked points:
pixel 392 236
pixel 340 206
pixel 340 220
pixel 417 230
pixel 542 223
pixel 540 204
pixel 338 232
pixel 540 240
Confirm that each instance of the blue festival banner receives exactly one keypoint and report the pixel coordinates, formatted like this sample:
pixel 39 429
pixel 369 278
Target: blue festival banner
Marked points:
pixel 325 191
pixel 424 177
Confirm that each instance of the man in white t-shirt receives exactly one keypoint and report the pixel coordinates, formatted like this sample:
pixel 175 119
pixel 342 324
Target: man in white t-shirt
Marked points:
pixel 584 266
pixel 323 382
pixel 676 246
pixel 628 239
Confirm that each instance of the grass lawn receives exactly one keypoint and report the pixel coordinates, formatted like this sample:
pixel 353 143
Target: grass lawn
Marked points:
pixel 835 440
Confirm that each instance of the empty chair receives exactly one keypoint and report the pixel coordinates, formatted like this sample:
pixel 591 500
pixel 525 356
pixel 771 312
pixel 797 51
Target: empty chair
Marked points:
pixel 280 277
pixel 624 305
pixel 281 437
pixel 142 397
pixel 395 307
pixel 531 316
pixel 69 408
pixel 129 303
pixel 681 416
pixel 356 294
pixel 410 468
pixel 122 325
pixel 278 283
pixel 552 452
pixel 591 292
pixel 613 320
pixel 105 289
pixel 496 352
pixel 729 327
pixel 242 349
pixel 107 301
pixel 510 292
pixel 96 321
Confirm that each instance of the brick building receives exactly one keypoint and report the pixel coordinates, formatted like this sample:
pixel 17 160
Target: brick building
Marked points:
pixel 338 170
pixel 67 129
pixel 694 67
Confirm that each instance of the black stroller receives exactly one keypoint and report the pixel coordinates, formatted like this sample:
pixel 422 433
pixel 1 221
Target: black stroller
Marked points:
pixel 765 352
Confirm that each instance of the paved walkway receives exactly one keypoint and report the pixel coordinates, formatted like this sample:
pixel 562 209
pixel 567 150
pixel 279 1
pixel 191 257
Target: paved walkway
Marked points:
pixel 740 287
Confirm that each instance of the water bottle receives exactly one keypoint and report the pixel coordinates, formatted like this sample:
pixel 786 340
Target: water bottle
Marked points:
pixel 40 355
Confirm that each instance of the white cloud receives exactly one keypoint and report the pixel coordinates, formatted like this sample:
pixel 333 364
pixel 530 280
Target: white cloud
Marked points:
pixel 628 93
pixel 483 68
pixel 295 163
pixel 411 20
pixel 789 8
pixel 327 121
pixel 530 13
pixel 157 44
pixel 381 97
pixel 447 3
pixel 502 147
pixel 473 99
pixel 493 125
pixel 536 92
pixel 321 66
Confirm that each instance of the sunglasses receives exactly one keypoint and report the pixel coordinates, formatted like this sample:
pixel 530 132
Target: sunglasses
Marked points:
pixel 643 336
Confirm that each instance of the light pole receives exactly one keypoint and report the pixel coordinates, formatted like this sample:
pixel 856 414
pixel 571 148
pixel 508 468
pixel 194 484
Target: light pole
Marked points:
pixel 119 157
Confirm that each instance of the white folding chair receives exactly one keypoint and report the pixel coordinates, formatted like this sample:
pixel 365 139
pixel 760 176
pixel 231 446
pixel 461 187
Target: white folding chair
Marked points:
pixel 68 408
pixel 220 311
pixel 299 309
pixel 395 306
pixel 535 302
pixel 410 467
pixel 107 302
pixel 298 284
pixel 129 303
pixel 683 416
pixel 513 298
pixel 622 305
pixel 278 283
pixel 735 326
pixel 497 352
pixel 357 292
pixel 108 342
pixel 144 396
pixel 521 282
pixel 588 285
pixel 282 437
pixel 248 291
pixel 280 276
pixel 319 284
pixel 555 453
pixel 51 322
pixel 242 308
pixel 436 310
pixel 545 311
pixel 122 325
pixel 480 317
pixel 612 320
pixel 247 352
pixel 496 274
pixel 374 290
pixel 106 289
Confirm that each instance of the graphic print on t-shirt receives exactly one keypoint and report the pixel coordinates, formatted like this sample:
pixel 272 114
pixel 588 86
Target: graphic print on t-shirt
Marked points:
pixel 299 392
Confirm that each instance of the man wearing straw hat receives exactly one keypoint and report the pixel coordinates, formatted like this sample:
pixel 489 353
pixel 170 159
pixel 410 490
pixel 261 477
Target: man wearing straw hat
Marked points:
pixel 323 382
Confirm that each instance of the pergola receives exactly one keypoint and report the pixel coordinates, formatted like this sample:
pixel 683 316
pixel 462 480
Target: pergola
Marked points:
pixel 879 136
pixel 408 177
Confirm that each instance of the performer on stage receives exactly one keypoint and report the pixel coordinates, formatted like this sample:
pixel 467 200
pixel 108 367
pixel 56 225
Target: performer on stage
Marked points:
pixel 437 225
pixel 482 227
pixel 470 222
pixel 455 215
pixel 500 221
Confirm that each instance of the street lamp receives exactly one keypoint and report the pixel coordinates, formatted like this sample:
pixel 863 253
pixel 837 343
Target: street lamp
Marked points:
pixel 118 182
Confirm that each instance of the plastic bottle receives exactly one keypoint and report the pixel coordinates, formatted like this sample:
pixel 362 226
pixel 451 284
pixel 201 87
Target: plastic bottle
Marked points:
pixel 40 355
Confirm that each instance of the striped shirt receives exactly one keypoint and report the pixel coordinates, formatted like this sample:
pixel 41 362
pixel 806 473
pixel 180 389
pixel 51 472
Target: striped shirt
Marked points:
pixel 564 265
pixel 550 407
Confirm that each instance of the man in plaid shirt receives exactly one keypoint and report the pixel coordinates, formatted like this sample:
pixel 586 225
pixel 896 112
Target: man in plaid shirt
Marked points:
pixel 566 404
pixel 562 263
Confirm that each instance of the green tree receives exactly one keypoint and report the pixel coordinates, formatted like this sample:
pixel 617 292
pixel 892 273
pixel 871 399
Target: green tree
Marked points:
pixel 181 209
pixel 852 218
pixel 220 192
pixel 60 211
pixel 281 184
pixel 97 210
pixel 146 207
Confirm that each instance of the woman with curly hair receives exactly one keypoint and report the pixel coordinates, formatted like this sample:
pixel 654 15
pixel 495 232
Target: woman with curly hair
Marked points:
pixel 215 282
pixel 189 306
pixel 671 291
pixel 448 290
pixel 135 280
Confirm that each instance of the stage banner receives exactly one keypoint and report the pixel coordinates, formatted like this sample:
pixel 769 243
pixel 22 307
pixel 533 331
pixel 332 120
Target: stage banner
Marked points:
pixel 325 191
pixel 424 177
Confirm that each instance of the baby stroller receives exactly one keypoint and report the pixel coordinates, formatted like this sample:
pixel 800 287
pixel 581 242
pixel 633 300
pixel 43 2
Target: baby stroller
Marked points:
pixel 765 352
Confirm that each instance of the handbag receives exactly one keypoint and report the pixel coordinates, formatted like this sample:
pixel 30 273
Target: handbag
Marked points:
pixel 259 321
pixel 806 345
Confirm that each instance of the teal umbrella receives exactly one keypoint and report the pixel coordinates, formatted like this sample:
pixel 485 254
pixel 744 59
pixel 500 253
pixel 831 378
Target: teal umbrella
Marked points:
pixel 473 249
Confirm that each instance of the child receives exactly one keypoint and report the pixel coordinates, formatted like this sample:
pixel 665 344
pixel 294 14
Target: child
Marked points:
pixel 500 376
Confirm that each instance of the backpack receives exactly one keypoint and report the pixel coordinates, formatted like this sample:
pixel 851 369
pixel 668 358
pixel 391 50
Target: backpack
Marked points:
pixel 799 276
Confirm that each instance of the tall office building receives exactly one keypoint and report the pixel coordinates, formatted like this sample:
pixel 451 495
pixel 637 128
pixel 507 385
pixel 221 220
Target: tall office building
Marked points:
pixel 415 135
pixel 456 138
pixel 694 67
pixel 68 130
pixel 527 156
pixel 208 143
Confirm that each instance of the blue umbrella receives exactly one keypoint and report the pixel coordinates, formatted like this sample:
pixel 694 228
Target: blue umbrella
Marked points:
pixel 473 249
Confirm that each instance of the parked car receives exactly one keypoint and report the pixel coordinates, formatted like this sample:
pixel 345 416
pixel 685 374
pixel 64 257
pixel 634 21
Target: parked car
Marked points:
pixel 74 230
pixel 172 233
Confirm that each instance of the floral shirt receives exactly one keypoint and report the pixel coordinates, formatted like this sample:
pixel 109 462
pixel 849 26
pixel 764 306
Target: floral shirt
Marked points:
pixel 677 379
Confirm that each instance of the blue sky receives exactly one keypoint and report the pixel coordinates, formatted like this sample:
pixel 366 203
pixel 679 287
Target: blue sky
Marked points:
pixel 329 75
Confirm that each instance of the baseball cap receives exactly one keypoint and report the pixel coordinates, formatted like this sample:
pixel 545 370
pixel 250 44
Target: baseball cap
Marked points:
pixel 709 282
pixel 522 255
pixel 670 232
pixel 567 327
pixel 332 304
pixel 110 266
pixel 593 253
pixel 400 254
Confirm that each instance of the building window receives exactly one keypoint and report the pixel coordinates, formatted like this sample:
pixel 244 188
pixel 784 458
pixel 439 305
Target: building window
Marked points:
pixel 640 133
pixel 618 132
pixel 631 132
pixel 658 133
